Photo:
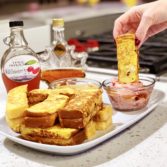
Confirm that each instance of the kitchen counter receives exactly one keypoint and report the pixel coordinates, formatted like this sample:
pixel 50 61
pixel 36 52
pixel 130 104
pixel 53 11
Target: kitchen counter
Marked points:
pixel 142 145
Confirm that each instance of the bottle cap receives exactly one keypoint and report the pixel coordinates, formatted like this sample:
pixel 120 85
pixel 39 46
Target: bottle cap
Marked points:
pixel 58 22
pixel 73 41
pixel 91 43
pixel 80 48
pixel 15 23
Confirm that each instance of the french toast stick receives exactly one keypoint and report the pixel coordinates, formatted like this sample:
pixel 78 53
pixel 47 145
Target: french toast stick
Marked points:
pixel 54 135
pixel 128 61
pixel 90 129
pixel 103 125
pixel 79 123
pixel 42 122
pixel 44 114
pixel 17 104
pixel 51 75
pixel 38 95
pixel 104 113
pixel 80 109
pixel 103 119
pixel 15 123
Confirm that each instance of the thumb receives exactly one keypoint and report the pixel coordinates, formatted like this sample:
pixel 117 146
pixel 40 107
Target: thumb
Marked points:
pixel 144 25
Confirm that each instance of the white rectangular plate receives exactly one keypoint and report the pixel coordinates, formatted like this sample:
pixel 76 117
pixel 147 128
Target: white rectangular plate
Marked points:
pixel 121 121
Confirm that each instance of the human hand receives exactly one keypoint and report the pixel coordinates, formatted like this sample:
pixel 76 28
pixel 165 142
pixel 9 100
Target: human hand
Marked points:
pixel 144 20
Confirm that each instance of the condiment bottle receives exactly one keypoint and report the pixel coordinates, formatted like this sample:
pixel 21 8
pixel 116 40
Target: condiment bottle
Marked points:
pixel 80 56
pixel 19 64
pixel 60 47
pixel 73 42
pixel 92 45
pixel 59 62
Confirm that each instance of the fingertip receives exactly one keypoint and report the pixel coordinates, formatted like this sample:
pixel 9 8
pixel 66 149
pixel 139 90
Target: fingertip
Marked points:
pixel 140 44
pixel 144 25
pixel 117 28
pixel 137 41
pixel 116 33
pixel 138 37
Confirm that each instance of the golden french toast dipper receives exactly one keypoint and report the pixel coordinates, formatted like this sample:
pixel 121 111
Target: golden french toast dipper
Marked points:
pixel 127 55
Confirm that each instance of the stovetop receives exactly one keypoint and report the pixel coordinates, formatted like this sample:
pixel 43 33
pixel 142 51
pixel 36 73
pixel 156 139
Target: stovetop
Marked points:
pixel 152 55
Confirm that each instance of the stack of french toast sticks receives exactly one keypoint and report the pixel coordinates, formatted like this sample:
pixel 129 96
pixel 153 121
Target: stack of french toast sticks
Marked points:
pixel 66 115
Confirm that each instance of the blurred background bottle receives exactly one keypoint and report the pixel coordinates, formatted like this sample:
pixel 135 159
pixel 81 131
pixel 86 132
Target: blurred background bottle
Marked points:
pixel 59 58
pixel 130 3
pixel 93 2
pixel 88 2
pixel 60 47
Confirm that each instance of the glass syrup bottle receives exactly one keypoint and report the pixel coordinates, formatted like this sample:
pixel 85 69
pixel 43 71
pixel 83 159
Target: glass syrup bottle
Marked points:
pixel 60 47
pixel 19 64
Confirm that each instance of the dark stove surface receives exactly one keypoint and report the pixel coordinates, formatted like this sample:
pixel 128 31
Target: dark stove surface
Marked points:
pixel 152 55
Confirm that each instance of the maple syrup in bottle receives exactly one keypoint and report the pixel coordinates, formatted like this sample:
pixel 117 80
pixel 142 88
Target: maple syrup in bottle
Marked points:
pixel 59 43
pixel 60 47
pixel 59 64
pixel 19 64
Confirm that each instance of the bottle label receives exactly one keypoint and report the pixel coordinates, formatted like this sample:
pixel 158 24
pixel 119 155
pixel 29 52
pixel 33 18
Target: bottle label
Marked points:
pixel 22 68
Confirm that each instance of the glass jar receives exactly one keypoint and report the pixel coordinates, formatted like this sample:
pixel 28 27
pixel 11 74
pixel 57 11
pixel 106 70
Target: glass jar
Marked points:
pixel 19 64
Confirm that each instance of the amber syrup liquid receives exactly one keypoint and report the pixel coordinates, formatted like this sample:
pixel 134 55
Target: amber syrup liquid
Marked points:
pixel 32 84
pixel 59 50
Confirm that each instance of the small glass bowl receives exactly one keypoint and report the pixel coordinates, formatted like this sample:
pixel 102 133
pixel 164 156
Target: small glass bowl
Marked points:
pixel 75 81
pixel 129 97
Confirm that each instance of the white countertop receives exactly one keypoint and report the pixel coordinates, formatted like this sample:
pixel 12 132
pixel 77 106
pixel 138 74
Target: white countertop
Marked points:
pixel 142 145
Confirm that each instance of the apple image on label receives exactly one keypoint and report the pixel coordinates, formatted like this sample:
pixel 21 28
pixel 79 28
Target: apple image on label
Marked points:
pixel 36 70
pixel 30 69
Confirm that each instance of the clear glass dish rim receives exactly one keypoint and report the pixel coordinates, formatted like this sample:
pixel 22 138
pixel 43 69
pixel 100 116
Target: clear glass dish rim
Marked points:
pixel 149 79
pixel 96 82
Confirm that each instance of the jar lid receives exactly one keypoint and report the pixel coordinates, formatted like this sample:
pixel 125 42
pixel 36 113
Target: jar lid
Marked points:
pixel 16 23
pixel 80 48
pixel 73 41
pixel 91 43
pixel 58 22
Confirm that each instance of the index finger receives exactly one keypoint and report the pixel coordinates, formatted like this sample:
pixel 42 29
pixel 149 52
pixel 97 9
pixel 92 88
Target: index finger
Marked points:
pixel 123 21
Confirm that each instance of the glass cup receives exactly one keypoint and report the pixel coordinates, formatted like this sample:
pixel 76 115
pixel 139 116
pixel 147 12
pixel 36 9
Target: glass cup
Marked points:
pixel 81 82
pixel 129 97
